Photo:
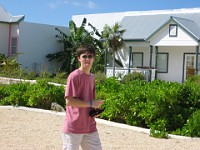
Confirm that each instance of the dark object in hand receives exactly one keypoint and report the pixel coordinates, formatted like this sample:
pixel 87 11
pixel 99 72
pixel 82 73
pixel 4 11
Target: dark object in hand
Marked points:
pixel 95 112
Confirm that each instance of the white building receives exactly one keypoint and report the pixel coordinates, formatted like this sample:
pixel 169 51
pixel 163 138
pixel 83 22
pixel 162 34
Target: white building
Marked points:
pixel 165 42
pixel 33 40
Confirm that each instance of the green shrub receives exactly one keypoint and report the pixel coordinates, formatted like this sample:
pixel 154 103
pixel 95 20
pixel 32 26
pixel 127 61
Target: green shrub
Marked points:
pixel 100 77
pixel 192 127
pixel 39 95
pixel 44 74
pixel 194 79
pixel 132 76
pixel 14 94
pixel 42 94
pixel 60 77
pixel 164 107
pixel 2 92
pixel 158 129
pixel 31 75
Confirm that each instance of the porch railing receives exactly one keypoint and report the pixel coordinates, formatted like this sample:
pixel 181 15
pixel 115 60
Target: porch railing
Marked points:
pixel 121 72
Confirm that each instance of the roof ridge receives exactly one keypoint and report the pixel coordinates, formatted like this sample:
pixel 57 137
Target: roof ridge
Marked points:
pixel 166 11
pixel 174 17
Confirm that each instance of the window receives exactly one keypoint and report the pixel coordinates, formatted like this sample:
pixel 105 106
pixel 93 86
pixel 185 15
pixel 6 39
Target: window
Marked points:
pixel 14 46
pixel 173 30
pixel 162 62
pixel 137 60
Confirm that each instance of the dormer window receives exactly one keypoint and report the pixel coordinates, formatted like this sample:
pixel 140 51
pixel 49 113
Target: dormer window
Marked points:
pixel 173 30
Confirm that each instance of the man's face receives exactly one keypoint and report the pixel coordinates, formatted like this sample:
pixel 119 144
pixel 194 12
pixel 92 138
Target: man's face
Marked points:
pixel 86 60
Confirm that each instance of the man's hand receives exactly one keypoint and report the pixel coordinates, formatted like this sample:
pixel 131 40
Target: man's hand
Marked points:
pixel 97 103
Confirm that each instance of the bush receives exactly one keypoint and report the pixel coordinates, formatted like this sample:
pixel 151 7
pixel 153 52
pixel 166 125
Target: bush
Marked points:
pixel 60 77
pixel 42 94
pixel 30 75
pixel 158 129
pixel 14 94
pixel 39 95
pixel 132 76
pixel 194 79
pixel 164 107
pixel 192 127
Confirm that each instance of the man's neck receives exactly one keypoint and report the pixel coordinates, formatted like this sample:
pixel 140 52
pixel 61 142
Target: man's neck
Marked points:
pixel 84 70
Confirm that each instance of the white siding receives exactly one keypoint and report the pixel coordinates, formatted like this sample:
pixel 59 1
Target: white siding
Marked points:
pixel 35 42
pixel 123 54
pixel 175 62
pixel 162 38
pixel 14 30
pixel 175 66
pixel 145 49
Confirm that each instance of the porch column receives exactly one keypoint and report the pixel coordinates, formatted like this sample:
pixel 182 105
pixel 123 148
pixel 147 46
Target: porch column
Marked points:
pixel 105 61
pixel 156 58
pixel 197 54
pixel 150 61
pixel 129 62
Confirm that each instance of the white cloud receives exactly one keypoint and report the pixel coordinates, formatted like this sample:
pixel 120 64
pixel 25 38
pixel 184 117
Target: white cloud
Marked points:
pixel 52 5
pixel 57 3
pixel 91 5
pixel 76 3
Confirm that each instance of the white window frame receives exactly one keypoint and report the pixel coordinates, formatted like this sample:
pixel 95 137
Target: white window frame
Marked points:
pixel 173 30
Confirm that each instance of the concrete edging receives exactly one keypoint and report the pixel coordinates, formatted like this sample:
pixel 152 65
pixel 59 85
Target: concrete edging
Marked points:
pixel 100 121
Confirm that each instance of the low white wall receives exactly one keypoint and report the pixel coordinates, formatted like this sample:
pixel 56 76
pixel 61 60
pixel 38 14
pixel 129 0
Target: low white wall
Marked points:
pixel 5 80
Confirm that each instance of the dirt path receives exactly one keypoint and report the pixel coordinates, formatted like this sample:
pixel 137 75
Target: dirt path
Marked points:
pixel 31 130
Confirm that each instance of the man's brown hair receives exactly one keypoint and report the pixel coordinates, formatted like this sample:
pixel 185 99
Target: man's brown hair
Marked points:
pixel 85 48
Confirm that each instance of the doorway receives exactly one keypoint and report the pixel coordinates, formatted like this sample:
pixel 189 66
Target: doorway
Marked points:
pixel 190 65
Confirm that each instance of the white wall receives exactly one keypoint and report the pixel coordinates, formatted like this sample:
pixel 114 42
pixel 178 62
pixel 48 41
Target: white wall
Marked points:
pixel 14 30
pixel 144 48
pixel 175 62
pixel 35 42
pixel 4 30
pixel 162 38
pixel 175 66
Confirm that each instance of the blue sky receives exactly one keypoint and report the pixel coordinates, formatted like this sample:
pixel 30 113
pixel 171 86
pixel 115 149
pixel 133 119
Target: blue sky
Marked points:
pixel 60 12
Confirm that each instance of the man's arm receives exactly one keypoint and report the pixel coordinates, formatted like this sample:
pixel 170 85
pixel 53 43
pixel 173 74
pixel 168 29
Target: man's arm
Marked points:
pixel 75 102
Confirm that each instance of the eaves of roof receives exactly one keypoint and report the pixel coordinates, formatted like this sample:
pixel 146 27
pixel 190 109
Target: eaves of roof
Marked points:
pixel 134 40
pixel 13 20
pixel 6 17
pixel 17 19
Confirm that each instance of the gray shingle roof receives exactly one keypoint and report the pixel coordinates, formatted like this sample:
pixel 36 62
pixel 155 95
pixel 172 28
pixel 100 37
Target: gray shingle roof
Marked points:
pixel 8 18
pixel 143 26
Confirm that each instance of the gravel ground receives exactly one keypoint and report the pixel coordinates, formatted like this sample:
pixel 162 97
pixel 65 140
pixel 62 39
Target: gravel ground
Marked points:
pixel 22 129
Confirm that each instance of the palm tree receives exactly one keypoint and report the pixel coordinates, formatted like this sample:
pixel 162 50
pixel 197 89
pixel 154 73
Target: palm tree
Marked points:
pixel 113 41
pixel 77 36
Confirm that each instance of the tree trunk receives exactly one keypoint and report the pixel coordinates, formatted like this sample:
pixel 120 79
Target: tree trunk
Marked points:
pixel 113 64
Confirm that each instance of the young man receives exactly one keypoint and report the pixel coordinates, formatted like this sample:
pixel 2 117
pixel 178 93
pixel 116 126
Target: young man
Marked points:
pixel 79 128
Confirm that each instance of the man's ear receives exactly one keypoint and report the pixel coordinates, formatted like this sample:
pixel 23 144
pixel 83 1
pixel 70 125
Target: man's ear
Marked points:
pixel 78 57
